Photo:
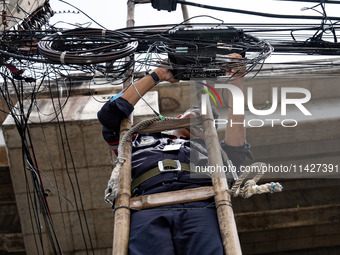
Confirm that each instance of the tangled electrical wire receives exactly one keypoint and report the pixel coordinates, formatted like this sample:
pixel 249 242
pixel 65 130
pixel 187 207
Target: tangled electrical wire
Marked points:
pixel 86 46
pixel 194 55
pixel 39 58
pixel 107 51
pixel 198 51
pixel 192 50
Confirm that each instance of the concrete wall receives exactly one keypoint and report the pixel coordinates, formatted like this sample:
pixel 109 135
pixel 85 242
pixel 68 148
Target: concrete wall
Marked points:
pixel 70 158
pixel 314 140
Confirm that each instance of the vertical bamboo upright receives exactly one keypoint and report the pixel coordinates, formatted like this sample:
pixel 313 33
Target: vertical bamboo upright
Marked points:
pixel 121 229
pixel 185 13
pixel 225 212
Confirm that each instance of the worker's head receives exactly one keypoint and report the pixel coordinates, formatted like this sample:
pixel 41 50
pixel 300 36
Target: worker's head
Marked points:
pixel 194 131
pixel 189 132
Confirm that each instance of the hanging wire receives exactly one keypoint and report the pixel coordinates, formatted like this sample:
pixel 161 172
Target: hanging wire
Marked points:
pixel 39 58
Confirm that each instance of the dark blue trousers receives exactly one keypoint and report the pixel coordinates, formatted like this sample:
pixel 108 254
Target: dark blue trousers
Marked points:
pixel 181 229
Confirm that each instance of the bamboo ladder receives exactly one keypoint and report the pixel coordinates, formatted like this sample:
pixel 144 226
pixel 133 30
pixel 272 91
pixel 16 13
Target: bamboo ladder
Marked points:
pixel 219 190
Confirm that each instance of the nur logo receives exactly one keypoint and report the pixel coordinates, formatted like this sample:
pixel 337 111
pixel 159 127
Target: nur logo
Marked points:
pixel 210 94
pixel 239 99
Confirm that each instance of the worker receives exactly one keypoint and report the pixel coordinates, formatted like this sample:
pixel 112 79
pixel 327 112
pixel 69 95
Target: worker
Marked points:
pixel 188 228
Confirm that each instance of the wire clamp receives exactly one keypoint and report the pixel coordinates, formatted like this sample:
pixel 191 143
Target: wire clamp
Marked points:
pixel 62 57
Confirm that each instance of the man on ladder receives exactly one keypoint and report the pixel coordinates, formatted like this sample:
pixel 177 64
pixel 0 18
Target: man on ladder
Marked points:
pixel 160 163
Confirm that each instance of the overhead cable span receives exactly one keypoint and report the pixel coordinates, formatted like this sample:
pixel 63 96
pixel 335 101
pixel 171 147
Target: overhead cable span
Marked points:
pixel 262 14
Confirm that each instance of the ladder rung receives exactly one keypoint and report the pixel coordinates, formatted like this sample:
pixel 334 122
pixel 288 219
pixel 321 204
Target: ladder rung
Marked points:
pixel 170 124
pixel 171 197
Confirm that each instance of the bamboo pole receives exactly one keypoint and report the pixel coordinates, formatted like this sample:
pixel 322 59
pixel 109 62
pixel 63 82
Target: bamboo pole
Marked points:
pixel 131 13
pixel 170 125
pixel 121 229
pixel 225 212
pixel 171 197
pixel 185 13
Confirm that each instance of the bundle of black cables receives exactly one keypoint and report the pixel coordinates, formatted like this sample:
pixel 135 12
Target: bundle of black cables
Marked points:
pixel 86 46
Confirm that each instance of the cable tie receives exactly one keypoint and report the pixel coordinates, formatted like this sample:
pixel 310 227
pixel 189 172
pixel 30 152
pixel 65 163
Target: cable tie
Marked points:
pixel 225 202
pixel 62 57
pixel 103 32
pixel 59 33
pixel 120 207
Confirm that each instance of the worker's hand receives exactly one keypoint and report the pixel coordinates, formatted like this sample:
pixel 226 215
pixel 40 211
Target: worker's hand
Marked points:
pixel 165 74
pixel 235 134
pixel 237 68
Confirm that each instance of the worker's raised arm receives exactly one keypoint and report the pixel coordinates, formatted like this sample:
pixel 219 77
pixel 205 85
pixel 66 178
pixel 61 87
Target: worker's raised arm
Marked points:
pixel 147 83
pixel 235 134
pixel 114 111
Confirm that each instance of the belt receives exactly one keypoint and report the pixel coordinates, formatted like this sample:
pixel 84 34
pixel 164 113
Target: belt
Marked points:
pixel 166 165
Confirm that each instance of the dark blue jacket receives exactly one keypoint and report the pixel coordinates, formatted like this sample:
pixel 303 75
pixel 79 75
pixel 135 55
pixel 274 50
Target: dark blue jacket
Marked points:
pixel 147 149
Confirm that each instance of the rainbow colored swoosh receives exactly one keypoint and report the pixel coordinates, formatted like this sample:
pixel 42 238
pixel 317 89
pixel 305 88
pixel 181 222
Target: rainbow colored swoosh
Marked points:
pixel 210 94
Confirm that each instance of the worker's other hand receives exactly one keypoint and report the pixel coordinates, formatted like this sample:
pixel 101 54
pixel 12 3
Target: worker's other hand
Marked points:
pixel 193 131
pixel 236 69
pixel 164 72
